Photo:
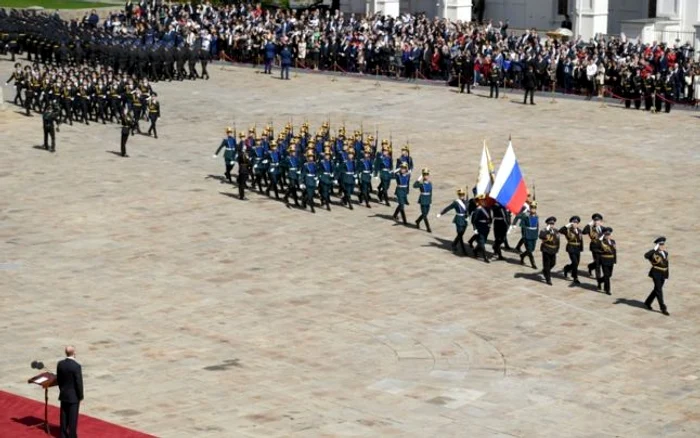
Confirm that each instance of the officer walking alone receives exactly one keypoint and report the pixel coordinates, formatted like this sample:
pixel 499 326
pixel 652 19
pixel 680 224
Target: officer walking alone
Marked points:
pixel 658 257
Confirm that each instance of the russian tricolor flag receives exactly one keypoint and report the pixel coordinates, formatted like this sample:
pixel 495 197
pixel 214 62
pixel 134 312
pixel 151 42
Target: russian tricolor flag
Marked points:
pixel 509 187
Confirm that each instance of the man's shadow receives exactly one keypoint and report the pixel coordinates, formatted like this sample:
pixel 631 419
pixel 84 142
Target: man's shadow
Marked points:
pixel 119 154
pixel 634 303
pixel 40 147
pixel 446 245
pixel 390 218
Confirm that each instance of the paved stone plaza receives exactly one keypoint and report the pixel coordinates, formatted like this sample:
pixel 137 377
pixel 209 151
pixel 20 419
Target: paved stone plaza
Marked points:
pixel 196 314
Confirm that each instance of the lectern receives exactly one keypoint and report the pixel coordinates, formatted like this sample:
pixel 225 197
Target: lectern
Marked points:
pixel 46 380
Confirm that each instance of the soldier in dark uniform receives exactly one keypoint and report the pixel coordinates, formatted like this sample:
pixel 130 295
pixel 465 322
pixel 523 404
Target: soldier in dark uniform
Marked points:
pixel 608 258
pixel 127 128
pixel 18 77
pixel 574 247
pixel 386 172
pixel 658 257
pixel 494 79
pixel 403 179
pixel 627 87
pixel 530 226
pixel 666 90
pixel 346 171
pixel 501 221
pixel 326 178
pixel 637 89
pixel 425 198
pixel 649 92
pixel 51 119
pixel 136 107
pixel 660 86
pixel 482 224
pixel 364 171
pixel 594 230
pixel 153 109
pixel 274 159
pixel 549 248
pixel 310 181
pixel 292 175
pixel 229 146
pixel 460 207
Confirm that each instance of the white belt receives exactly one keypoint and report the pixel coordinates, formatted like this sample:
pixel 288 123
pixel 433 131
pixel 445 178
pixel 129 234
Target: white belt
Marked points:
pixel 311 174
pixel 366 171
pixel 425 194
pixel 531 228
pixel 292 168
pixel 402 187
pixel 460 214
pixel 349 173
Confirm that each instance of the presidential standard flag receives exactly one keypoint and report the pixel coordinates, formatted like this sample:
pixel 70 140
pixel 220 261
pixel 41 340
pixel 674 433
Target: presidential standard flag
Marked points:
pixel 485 179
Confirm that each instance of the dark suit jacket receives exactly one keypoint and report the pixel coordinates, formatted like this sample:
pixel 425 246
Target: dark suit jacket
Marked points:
pixel 70 381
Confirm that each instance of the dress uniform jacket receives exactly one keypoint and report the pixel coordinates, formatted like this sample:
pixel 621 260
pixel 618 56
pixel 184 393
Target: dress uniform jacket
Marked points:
pixel 659 263
pixel 460 208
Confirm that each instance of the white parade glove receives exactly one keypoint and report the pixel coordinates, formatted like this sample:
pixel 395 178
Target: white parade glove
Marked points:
pixel 231 163
pixel 549 227
pixel 438 215
pixel 569 225
pixel 475 232
pixel 656 247
pixel 303 186
pixel 213 156
pixel 510 229
pixel 590 224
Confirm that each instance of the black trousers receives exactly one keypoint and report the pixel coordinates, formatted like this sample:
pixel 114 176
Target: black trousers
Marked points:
pixel 607 271
pixel 241 181
pixel 125 137
pixel 459 239
pixel 69 419
pixel 532 95
pixel 229 168
pixel 657 293
pixel 50 132
pixel 152 128
pixel 494 87
pixel 575 258
pixel 500 233
pixel 595 265
pixel 424 211
pixel 548 262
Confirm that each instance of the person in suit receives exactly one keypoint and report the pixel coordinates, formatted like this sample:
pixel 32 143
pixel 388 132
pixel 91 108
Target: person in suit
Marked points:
pixel 69 375
pixel 529 83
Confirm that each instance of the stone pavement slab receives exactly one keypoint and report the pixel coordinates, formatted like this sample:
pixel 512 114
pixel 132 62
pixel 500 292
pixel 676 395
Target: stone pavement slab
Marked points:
pixel 195 314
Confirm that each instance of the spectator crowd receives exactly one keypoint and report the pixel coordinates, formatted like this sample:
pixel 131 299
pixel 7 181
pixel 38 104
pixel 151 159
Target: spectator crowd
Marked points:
pixel 410 46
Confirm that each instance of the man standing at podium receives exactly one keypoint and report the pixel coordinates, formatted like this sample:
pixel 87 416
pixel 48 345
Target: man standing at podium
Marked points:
pixel 69 375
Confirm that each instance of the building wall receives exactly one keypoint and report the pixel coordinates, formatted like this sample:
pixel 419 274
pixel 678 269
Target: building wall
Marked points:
pixel 620 10
pixel 522 14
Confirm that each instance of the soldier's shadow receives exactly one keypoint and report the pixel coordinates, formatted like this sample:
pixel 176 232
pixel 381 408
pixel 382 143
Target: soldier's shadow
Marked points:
pixel 232 195
pixel 119 154
pixel 23 113
pixel 40 147
pixel 634 303
pixel 446 245
pixel 532 276
pixel 390 218
pixel 222 179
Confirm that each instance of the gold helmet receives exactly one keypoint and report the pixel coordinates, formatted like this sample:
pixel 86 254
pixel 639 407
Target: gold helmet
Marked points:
pixel 310 153
pixel 229 130
pixel 425 171
pixel 461 192
pixel 241 134
pixel 533 205
pixel 404 165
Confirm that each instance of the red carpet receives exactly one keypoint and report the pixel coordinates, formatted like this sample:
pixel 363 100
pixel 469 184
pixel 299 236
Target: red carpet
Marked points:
pixel 24 418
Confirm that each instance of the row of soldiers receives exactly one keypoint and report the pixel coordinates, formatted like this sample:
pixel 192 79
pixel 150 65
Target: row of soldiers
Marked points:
pixel 328 165
pixel 86 95
pixel 655 91
pixel 50 41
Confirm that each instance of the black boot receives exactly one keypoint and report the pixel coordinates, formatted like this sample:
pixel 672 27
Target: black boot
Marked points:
pixel 427 225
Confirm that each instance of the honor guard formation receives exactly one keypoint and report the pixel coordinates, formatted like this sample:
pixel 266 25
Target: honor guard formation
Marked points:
pixel 84 71
pixel 297 166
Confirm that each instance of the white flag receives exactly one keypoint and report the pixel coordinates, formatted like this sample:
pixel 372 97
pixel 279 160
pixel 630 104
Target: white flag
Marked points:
pixel 485 178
